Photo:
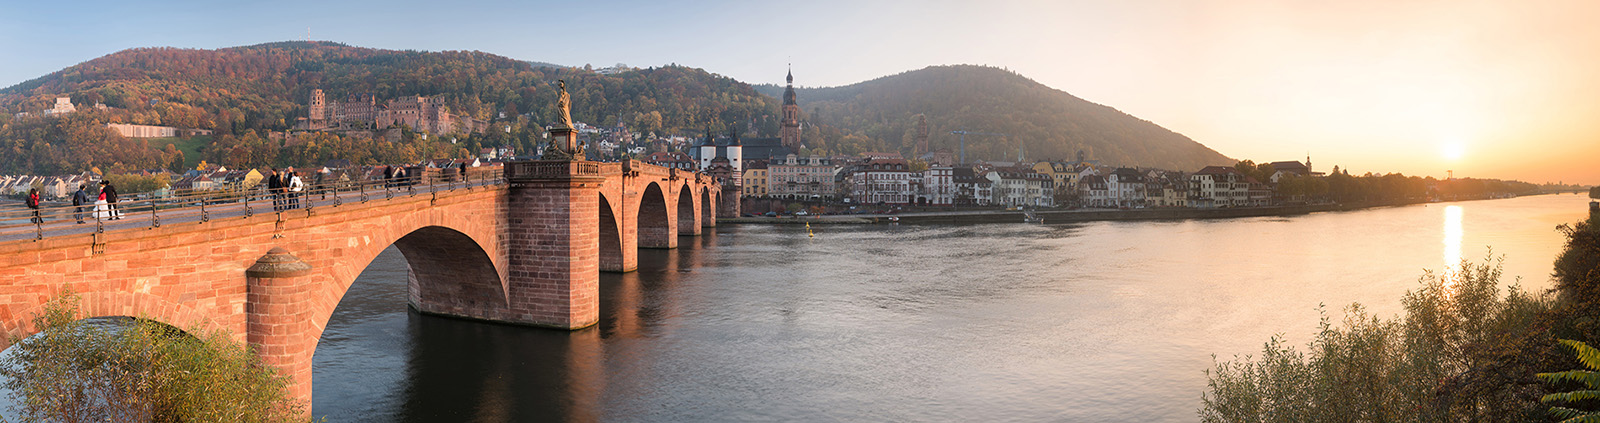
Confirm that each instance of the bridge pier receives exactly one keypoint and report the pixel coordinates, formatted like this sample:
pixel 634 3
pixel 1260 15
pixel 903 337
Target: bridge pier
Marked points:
pixel 278 311
pixel 728 202
pixel 553 243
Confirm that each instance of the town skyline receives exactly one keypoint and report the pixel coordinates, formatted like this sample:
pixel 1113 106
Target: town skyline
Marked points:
pixel 1486 90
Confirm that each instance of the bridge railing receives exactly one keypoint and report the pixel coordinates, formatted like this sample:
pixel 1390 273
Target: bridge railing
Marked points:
pixel 550 169
pixel 151 210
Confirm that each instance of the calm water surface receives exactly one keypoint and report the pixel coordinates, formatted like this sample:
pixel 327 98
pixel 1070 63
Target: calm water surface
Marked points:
pixel 1108 321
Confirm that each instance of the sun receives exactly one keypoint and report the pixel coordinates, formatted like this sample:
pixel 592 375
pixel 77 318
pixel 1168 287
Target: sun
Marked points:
pixel 1453 150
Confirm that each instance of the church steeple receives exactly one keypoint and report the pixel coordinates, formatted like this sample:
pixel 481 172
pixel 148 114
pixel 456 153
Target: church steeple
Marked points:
pixel 789 131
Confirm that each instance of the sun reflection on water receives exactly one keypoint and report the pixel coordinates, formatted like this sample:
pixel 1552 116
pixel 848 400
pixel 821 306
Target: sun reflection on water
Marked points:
pixel 1452 239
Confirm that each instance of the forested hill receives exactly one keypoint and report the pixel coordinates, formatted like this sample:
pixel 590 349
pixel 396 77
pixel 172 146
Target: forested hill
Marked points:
pixel 266 86
pixel 244 92
pixel 249 90
pixel 1053 124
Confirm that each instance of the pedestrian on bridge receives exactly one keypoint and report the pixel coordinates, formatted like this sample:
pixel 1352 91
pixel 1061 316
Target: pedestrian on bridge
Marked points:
pixel 33 203
pixel 275 189
pixel 295 185
pixel 109 193
pixel 80 202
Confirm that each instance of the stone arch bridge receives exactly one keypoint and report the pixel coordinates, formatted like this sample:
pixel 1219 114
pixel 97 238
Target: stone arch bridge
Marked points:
pixel 522 246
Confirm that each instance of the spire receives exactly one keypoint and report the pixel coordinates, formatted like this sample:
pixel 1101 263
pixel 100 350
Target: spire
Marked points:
pixel 788 92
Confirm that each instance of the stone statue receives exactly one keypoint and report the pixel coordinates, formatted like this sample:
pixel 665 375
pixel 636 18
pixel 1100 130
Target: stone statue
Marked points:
pixel 564 144
pixel 565 104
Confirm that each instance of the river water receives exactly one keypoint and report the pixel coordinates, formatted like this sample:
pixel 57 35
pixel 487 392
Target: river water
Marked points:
pixel 1105 322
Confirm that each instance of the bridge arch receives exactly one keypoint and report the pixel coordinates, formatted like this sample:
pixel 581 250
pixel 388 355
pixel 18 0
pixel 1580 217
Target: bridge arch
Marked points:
pixel 450 272
pixel 612 258
pixel 688 214
pixel 655 224
pixel 708 214
pixel 101 304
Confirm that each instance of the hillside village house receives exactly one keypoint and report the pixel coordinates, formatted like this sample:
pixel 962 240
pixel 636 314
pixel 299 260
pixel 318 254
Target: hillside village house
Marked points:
pixel 755 178
pixel 1166 189
pixel 672 159
pixel 1093 192
pixel 797 177
pixel 938 186
pixel 886 181
pixel 1126 186
pixel 1220 186
pixel 1021 186
pixel 971 189
pixel 1282 169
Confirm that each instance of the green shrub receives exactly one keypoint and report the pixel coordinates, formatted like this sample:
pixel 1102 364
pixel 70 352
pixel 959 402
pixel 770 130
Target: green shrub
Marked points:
pixel 77 370
pixel 1445 359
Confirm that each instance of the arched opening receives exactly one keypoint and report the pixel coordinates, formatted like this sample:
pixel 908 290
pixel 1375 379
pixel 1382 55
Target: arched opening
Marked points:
pixel 450 274
pixel 611 258
pixel 687 223
pixel 708 215
pixel 655 228
pixel 434 270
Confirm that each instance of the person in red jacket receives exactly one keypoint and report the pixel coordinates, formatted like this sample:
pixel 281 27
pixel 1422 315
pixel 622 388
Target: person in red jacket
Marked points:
pixel 33 203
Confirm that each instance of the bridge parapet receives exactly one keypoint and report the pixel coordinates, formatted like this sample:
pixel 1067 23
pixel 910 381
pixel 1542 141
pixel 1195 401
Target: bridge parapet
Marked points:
pixel 646 169
pixel 543 169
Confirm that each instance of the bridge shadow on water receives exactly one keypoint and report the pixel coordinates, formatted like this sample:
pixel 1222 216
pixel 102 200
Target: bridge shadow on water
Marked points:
pixel 380 361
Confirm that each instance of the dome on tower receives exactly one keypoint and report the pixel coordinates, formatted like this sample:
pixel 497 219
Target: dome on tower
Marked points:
pixel 788 93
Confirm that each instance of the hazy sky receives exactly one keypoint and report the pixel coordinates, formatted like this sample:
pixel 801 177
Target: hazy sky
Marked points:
pixel 1493 89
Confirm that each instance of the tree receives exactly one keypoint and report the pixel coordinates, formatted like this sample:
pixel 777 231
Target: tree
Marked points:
pixel 80 370
pixel 1066 196
pixel 133 183
pixel 1577 268
pixel 1590 378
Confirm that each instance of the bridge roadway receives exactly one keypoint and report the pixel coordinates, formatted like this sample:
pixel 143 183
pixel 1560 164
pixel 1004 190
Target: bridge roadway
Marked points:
pixel 522 246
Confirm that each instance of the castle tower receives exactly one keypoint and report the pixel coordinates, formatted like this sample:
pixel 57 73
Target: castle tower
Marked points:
pixel 789 133
pixel 735 153
pixel 317 115
pixel 708 150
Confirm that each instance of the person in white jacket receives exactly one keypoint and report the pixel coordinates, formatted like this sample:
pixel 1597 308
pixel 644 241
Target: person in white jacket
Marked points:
pixel 295 187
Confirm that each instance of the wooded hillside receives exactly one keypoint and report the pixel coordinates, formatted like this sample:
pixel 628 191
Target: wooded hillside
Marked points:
pixel 1051 123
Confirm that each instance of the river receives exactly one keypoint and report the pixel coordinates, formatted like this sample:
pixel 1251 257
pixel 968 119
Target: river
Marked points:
pixel 1105 321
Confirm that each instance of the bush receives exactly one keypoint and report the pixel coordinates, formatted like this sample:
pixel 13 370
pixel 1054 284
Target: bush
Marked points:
pixel 1577 272
pixel 77 370
pixel 1447 358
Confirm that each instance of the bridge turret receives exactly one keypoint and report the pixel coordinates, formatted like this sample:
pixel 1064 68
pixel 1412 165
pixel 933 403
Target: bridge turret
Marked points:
pixel 278 316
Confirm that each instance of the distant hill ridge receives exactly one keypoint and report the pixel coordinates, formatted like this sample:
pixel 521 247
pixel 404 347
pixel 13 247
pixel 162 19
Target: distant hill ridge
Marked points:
pixel 253 89
pixel 1053 124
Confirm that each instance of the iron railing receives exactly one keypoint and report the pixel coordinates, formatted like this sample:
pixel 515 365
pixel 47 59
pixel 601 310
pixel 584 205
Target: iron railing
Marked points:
pixel 147 210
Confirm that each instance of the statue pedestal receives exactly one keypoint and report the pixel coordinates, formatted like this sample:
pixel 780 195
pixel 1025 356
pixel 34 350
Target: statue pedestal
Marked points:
pixel 563 145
